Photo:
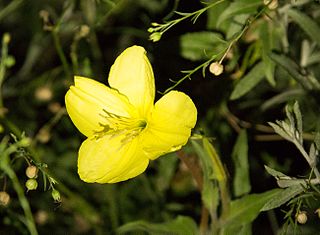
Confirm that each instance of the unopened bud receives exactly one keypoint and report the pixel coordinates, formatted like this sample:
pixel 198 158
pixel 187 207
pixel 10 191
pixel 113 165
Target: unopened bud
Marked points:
pixel 43 93
pixel 32 172
pixel 43 135
pixel 31 184
pixel 84 30
pixel 4 198
pixel 216 68
pixel 6 38
pixel 156 36
pixel 318 212
pixel 56 195
pixel 302 217
pixel 272 4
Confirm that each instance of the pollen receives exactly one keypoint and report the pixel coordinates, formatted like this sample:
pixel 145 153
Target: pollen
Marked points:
pixel 116 125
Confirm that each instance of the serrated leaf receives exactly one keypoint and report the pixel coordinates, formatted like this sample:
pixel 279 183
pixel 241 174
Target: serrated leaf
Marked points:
pixel 248 82
pixel 239 7
pixel 313 153
pixel 306 23
pixel 201 45
pixel 241 181
pixel 246 209
pixel 179 226
pixel 280 130
pixel 317 140
pixel 298 119
pixel 282 197
pixel 275 173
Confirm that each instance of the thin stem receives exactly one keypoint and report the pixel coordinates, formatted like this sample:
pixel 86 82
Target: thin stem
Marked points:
pixel 61 55
pixel 22 198
pixel 307 157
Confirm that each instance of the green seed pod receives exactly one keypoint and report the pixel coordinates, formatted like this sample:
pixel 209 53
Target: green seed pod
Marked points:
pixel 56 195
pixel 4 198
pixel 31 184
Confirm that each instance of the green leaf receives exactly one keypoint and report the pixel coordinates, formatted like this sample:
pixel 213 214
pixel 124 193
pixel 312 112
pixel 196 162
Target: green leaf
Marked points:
pixel 201 45
pixel 239 7
pixel 238 230
pixel 282 129
pixel 210 191
pixel 298 119
pixel 247 208
pixel 267 38
pixel 306 23
pixel 241 182
pixel 292 68
pixel 218 170
pixel 248 82
pixel 282 197
pixel 275 173
pixel 180 226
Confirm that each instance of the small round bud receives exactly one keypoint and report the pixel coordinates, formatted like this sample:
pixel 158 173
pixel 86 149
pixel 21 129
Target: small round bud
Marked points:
pixel 216 68
pixel 272 4
pixel 155 24
pixel 302 217
pixel 84 30
pixel 54 107
pixel 4 198
pixel 43 135
pixel 25 142
pixel 56 195
pixel 150 30
pixel 32 172
pixel 31 184
pixel 6 38
pixel 156 36
pixel 43 93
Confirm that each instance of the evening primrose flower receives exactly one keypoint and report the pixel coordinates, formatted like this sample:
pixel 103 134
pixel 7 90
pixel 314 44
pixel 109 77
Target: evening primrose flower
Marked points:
pixel 123 126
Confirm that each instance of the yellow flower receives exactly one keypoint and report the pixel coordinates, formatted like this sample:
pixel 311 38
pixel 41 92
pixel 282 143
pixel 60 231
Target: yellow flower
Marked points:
pixel 123 126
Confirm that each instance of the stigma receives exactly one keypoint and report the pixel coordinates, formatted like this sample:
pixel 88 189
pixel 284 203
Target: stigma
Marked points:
pixel 126 127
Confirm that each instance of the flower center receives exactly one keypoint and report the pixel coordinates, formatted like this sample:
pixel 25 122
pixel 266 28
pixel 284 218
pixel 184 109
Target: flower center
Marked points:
pixel 117 125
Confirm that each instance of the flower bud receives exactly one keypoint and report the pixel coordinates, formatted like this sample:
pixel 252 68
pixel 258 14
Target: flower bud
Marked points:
pixel 43 93
pixel 84 30
pixel 32 171
pixel 216 68
pixel 272 4
pixel 31 184
pixel 56 195
pixel 302 217
pixel 6 38
pixel 4 198
pixel 156 36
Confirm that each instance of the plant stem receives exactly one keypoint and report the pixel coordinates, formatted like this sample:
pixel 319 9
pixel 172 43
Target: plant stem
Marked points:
pixel 20 192
pixel 61 55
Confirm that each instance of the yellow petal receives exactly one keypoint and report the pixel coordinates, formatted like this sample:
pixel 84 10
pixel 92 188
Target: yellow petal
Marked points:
pixel 108 160
pixel 170 125
pixel 132 75
pixel 86 100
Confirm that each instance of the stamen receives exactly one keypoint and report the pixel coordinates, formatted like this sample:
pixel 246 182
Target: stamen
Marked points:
pixel 118 125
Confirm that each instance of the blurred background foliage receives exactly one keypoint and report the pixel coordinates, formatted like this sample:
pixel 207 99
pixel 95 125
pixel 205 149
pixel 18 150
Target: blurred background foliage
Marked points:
pixel 270 56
